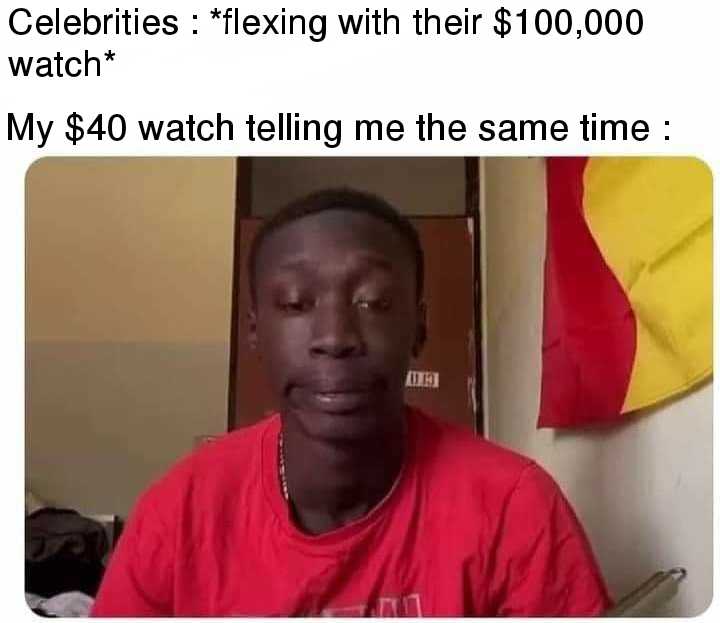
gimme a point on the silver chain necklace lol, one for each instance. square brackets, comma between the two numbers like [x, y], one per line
[281, 467]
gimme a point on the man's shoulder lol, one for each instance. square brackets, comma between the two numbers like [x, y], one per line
[238, 446]
[459, 454]
[217, 468]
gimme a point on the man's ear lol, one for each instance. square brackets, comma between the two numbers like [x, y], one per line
[252, 336]
[420, 330]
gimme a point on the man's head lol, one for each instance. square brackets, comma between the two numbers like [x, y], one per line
[336, 283]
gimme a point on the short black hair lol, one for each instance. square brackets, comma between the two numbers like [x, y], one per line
[340, 199]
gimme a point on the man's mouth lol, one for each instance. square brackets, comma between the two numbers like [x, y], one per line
[340, 402]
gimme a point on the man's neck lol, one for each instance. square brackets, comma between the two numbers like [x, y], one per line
[332, 484]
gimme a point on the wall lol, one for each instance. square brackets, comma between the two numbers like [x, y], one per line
[643, 490]
[417, 186]
[128, 316]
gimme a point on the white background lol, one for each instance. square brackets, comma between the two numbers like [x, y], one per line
[668, 73]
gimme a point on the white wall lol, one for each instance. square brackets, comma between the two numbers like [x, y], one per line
[643, 490]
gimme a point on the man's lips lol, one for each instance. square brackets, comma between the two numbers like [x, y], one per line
[339, 401]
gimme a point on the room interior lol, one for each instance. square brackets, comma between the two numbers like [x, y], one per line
[133, 343]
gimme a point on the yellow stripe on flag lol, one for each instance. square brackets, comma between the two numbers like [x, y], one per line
[652, 220]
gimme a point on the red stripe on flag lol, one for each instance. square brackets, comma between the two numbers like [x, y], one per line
[589, 335]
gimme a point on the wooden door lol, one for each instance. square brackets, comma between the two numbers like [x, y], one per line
[442, 380]
[448, 359]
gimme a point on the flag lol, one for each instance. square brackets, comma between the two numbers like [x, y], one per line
[628, 286]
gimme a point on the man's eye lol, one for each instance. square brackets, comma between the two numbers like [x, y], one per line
[373, 304]
[295, 307]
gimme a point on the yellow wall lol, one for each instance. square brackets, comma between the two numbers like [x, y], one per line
[643, 490]
[127, 249]
[129, 265]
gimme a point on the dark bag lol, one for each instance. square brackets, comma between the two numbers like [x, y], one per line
[63, 552]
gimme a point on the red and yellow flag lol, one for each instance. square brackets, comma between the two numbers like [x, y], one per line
[628, 285]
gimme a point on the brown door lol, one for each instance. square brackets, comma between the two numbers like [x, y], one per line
[442, 380]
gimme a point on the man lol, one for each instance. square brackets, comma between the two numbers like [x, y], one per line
[347, 502]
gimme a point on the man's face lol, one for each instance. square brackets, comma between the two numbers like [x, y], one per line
[336, 321]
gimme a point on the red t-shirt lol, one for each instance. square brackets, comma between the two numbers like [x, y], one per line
[470, 529]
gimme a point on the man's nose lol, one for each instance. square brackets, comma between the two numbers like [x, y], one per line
[335, 331]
